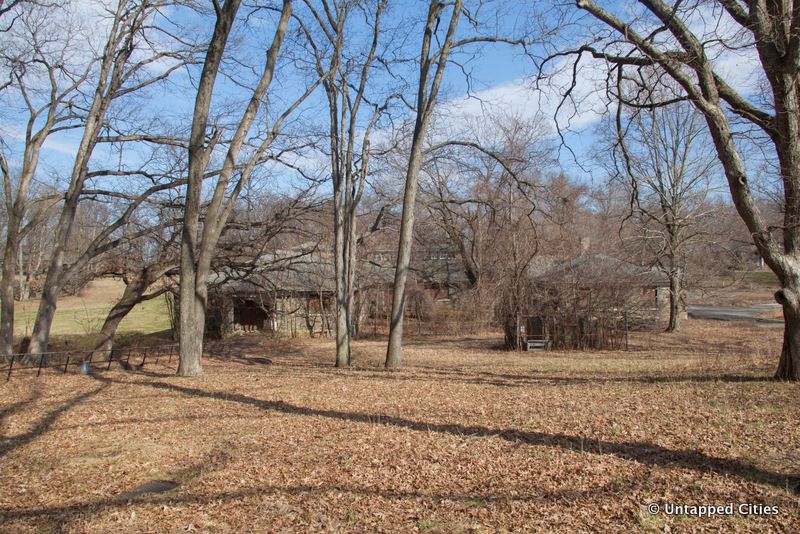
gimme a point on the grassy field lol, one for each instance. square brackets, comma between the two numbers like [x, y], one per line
[464, 438]
[79, 318]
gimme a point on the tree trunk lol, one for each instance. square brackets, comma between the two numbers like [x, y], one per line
[342, 326]
[7, 288]
[109, 80]
[426, 99]
[134, 293]
[352, 265]
[192, 324]
[191, 350]
[25, 275]
[677, 305]
[130, 297]
[394, 348]
[10, 254]
[789, 364]
[511, 333]
[194, 296]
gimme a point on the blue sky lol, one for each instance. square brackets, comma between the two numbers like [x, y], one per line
[500, 75]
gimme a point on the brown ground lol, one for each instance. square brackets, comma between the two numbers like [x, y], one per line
[465, 438]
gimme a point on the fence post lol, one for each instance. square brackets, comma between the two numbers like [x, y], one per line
[66, 364]
[10, 366]
[144, 357]
[41, 360]
[128, 359]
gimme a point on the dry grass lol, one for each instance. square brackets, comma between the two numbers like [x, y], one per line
[463, 439]
[78, 319]
[742, 289]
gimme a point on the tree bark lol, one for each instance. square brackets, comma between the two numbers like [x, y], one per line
[192, 326]
[789, 363]
[135, 288]
[677, 305]
[7, 286]
[426, 99]
[198, 251]
[394, 348]
[130, 297]
[340, 252]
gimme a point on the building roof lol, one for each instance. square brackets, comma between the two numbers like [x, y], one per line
[308, 273]
[596, 269]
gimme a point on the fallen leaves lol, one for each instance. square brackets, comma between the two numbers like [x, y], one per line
[463, 439]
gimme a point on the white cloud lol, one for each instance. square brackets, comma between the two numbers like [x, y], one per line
[521, 98]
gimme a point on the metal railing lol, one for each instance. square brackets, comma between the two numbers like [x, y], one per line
[62, 360]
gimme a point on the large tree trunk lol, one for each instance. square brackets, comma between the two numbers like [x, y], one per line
[7, 287]
[16, 215]
[196, 254]
[789, 364]
[191, 332]
[40, 337]
[677, 307]
[134, 293]
[191, 323]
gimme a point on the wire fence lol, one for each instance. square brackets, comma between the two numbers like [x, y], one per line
[85, 361]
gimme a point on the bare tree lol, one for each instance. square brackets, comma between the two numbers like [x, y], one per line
[40, 75]
[197, 247]
[437, 51]
[116, 73]
[431, 70]
[669, 173]
[350, 130]
[665, 37]
[464, 186]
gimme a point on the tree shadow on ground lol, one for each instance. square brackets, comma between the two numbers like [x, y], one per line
[11, 409]
[61, 514]
[532, 378]
[641, 452]
[61, 518]
[510, 379]
[645, 453]
[9, 443]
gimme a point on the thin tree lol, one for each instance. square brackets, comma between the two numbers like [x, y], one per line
[669, 172]
[349, 133]
[432, 66]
